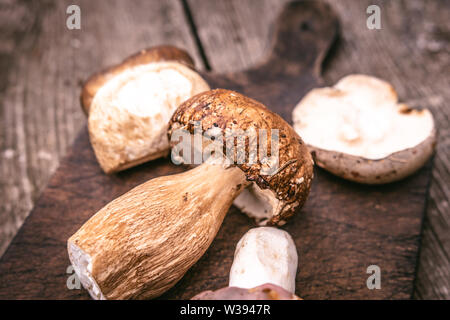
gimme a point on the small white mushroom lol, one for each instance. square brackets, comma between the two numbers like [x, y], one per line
[265, 255]
[359, 131]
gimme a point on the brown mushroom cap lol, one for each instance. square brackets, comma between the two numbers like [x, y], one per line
[145, 56]
[229, 110]
[266, 291]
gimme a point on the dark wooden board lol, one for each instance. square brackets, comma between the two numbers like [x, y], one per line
[343, 228]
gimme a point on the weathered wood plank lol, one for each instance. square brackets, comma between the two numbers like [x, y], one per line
[42, 64]
[235, 34]
[412, 51]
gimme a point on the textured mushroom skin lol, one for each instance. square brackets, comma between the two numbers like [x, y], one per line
[143, 242]
[120, 137]
[145, 56]
[266, 291]
[221, 108]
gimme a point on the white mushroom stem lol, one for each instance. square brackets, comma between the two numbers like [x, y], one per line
[264, 255]
[139, 245]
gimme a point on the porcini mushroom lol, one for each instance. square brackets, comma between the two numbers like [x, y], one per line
[264, 267]
[276, 194]
[358, 130]
[130, 104]
[140, 244]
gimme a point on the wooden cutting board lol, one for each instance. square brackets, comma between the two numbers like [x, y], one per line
[343, 228]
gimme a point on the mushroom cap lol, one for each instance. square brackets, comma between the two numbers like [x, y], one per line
[234, 113]
[264, 255]
[129, 114]
[359, 131]
[266, 291]
[145, 56]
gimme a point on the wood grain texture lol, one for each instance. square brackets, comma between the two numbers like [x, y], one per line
[412, 51]
[343, 228]
[42, 66]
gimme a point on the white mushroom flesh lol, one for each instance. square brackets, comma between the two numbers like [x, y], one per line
[360, 116]
[129, 115]
[265, 255]
[82, 265]
[258, 204]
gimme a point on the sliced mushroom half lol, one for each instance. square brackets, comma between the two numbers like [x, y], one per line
[359, 131]
[129, 105]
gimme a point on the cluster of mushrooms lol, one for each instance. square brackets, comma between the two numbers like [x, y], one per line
[140, 245]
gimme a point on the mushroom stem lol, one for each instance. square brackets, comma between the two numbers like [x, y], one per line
[142, 243]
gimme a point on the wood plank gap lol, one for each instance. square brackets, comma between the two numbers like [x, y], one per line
[193, 29]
